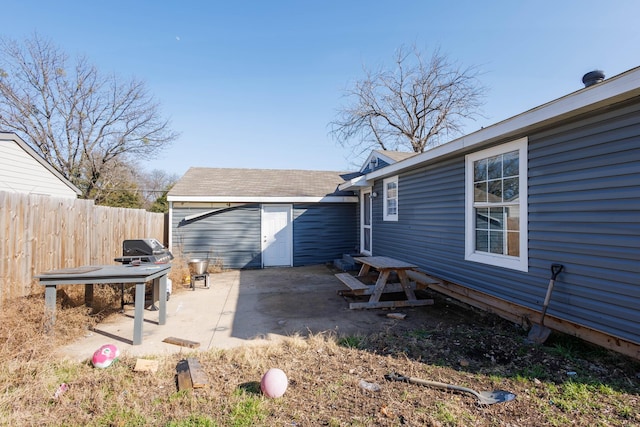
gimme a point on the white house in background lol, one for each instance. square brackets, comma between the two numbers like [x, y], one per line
[23, 170]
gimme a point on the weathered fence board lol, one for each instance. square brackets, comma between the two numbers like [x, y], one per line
[41, 233]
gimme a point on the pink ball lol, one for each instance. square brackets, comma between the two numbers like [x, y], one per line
[274, 383]
[105, 356]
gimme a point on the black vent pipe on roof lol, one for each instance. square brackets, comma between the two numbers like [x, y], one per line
[592, 78]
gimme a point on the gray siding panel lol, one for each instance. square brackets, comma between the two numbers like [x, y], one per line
[231, 236]
[323, 232]
[584, 212]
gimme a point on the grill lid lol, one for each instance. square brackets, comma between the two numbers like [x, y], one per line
[142, 247]
[145, 251]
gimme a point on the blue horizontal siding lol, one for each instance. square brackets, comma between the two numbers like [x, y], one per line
[231, 236]
[323, 232]
[584, 212]
[590, 218]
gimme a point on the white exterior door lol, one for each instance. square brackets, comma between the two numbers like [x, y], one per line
[277, 236]
[365, 221]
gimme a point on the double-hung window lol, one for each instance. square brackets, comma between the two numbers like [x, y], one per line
[496, 206]
[390, 204]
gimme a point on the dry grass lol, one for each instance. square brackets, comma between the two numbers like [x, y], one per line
[324, 375]
[179, 273]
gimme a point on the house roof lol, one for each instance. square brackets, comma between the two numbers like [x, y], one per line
[259, 185]
[12, 137]
[388, 157]
[395, 156]
[600, 96]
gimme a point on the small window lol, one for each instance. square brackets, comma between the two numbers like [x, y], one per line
[496, 206]
[390, 199]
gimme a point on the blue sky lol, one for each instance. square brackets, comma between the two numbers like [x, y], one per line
[255, 84]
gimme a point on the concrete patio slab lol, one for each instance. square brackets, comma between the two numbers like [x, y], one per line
[241, 307]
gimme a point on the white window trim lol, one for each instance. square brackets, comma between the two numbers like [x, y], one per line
[520, 263]
[385, 215]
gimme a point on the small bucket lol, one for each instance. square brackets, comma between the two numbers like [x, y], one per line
[198, 266]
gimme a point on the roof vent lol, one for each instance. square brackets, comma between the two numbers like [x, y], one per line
[592, 78]
[373, 163]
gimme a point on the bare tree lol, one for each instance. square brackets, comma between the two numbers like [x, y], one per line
[84, 123]
[156, 184]
[417, 105]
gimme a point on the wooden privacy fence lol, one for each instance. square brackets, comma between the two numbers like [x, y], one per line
[41, 233]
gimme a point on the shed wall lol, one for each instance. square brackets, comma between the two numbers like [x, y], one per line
[321, 233]
[229, 236]
[584, 212]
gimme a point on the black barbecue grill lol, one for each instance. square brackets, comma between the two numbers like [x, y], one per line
[144, 251]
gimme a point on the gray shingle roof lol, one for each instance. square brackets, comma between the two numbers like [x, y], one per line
[396, 155]
[227, 182]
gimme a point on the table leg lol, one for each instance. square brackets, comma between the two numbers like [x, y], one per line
[404, 281]
[88, 295]
[162, 316]
[49, 308]
[155, 289]
[138, 318]
[379, 286]
[364, 270]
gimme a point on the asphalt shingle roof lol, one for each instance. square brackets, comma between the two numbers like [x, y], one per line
[228, 182]
[396, 155]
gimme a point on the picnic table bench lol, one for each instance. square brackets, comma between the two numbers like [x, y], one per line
[358, 287]
[422, 279]
[353, 283]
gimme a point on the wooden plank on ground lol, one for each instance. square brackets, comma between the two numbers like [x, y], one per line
[198, 376]
[184, 377]
[391, 304]
[146, 365]
[181, 342]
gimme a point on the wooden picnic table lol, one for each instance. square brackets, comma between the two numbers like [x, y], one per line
[385, 266]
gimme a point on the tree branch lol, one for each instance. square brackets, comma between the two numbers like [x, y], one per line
[413, 107]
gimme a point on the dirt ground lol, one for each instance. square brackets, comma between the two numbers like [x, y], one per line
[334, 379]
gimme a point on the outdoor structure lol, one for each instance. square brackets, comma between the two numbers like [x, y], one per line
[252, 218]
[483, 216]
[23, 170]
[488, 214]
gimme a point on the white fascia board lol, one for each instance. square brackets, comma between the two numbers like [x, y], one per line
[244, 199]
[615, 89]
[357, 182]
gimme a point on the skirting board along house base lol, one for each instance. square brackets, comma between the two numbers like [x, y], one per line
[525, 316]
